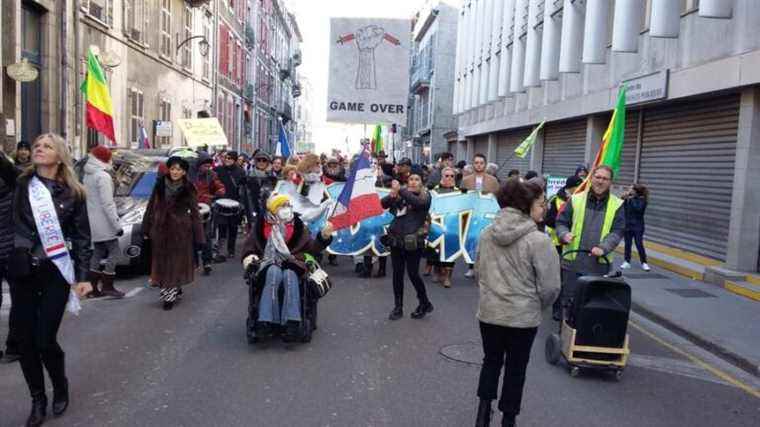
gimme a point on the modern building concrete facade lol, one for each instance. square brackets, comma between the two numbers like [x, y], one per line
[692, 69]
[431, 74]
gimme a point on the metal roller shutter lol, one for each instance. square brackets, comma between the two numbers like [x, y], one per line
[507, 142]
[687, 162]
[564, 147]
[481, 145]
[627, 171]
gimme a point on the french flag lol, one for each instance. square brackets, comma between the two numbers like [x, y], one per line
[358, 200]
[144, 142]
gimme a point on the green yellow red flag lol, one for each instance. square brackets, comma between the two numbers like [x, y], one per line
[377, 139]
[99, 107]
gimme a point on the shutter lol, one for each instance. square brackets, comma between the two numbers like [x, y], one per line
[481, 146]
[507, 142]
[627, 171]
[564, 147]
[222, 49]
[687, 162]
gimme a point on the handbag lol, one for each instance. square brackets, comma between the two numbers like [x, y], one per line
[317, 280]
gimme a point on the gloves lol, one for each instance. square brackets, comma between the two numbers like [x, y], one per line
[250, 259]
[120, 232]
[327, 231]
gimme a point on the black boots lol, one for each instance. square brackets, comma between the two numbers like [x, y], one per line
[508, 421]
[484, 414]
[94, 278]
[108, 288]
[422, 310]
[396, 313]
[382, 261]
[60, 397]
[39, 410]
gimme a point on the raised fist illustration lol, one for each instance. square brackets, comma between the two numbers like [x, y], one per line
[367, 39]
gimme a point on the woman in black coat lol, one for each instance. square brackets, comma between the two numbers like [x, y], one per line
[406, 237]
[635, 204]
[44, 272]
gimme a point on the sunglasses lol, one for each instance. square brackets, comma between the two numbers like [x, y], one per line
[262, 160]
[448, 176]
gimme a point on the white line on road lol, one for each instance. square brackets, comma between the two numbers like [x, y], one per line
[134, 292]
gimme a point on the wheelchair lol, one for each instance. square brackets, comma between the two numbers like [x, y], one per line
[312, 285]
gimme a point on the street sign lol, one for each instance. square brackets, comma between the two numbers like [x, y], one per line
[163, 128]
[646, 88]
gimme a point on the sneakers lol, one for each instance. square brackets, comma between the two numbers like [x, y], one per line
[645, 267]
[470, 273]
[625, 266]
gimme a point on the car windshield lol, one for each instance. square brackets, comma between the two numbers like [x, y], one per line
[144, 187]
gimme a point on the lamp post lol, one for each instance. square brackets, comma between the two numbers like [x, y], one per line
[203, 45]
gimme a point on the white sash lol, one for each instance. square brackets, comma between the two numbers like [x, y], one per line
[49, 229]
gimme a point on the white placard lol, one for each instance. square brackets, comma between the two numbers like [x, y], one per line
[163, 128]
[369, 70]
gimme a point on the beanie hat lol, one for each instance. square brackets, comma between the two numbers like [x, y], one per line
[573, 181]
[276, 202]
[102, 153]
[176, 160]
[23, 145]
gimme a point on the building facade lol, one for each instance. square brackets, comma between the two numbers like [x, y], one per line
[431, 74]
[693, 104]
[304, 141]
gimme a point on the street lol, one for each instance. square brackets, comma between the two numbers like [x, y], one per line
[131, 363]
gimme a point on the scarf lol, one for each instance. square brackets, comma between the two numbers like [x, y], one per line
[258, 173]
[172, 188]
[276, 250]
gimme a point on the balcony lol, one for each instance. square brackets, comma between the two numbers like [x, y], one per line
[296, 91]
[421, 78]
[197, 3]
[250, 36]
[286, 113]
[249, 91]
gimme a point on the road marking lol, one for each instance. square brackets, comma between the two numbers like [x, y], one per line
[697, 361]
[669, 365]
[134, 292]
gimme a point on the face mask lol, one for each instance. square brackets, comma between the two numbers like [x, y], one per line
[285, 214]
[313, 177]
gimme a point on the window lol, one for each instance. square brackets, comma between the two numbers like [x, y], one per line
[223, 50]
[187, 48]
[165, 115]
[102, 10]
[136, 116]
[166, 29]
[206, 70]
[187, 113]
[134, 11]
[230, 71]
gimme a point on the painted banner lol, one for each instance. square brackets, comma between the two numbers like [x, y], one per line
[458, 219]
[369, 70]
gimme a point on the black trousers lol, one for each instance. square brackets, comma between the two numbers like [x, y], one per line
[11, 343]
[40, 302]
[410, 260]
[509, 347]
[228, 230]
[638, 237]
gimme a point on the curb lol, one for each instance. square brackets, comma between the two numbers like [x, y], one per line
[720, 351]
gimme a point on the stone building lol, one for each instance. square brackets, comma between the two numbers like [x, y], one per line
[691, 68]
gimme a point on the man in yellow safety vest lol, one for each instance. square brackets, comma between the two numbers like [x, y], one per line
[593, 220]
[555, 205]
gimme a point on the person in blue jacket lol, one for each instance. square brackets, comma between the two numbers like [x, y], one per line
[635, 204]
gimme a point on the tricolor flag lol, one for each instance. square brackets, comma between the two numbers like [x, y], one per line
[144, 141]
[358, 200]
[612, 141]
[99, 109]
[283, 148]
[377, 139]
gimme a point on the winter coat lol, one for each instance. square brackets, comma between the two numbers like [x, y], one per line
[592, 231]
[174, 228]
[518, 271]
[300, 243]
[434, 178]
[635, 208]
[101, 209]
[410, 211]
[490, 183]
[258, 188]
[8, 176]
[233, 179]
[72, 215]
[208, 187]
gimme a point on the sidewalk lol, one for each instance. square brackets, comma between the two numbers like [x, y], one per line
[712, 317]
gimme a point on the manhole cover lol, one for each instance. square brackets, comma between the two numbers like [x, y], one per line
[643, 276]
[690, 293]
[470, 353]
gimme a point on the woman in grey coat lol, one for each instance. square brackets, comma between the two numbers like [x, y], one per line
[519, 277]
[104, 222]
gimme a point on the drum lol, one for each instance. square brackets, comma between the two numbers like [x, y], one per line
[227, 207]
[205, 211]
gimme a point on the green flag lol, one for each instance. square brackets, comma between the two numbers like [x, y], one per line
[615, 135]
[377, 139]
[526, 145]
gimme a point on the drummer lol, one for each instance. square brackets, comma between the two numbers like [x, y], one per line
[209, 187]
[233, 178]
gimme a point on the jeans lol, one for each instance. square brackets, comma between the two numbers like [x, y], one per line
[269, 305]
[11, 343]
[509, 347]
[41, 301]
[638, 237]
[400, 259]
[105, 251]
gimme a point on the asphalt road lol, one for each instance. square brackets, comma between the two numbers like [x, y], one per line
[132, 364]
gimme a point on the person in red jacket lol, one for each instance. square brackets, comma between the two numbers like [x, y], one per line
[208, 187]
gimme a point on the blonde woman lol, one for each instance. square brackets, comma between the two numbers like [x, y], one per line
[52, 254]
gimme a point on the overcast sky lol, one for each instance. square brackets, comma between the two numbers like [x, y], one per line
[313, 18]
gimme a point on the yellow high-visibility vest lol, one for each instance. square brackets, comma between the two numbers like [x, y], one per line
[579, 214]
[558, 203]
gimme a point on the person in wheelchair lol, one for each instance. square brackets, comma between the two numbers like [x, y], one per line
[276, 250]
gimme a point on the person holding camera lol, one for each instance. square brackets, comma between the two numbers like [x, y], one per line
[50, 259]
[635, 205]
[406, 238]
[104, 222]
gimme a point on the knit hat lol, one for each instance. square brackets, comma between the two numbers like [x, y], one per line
[276, 201]
[23, 145]
[176, 160]
[102, 153]
[573, 181]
